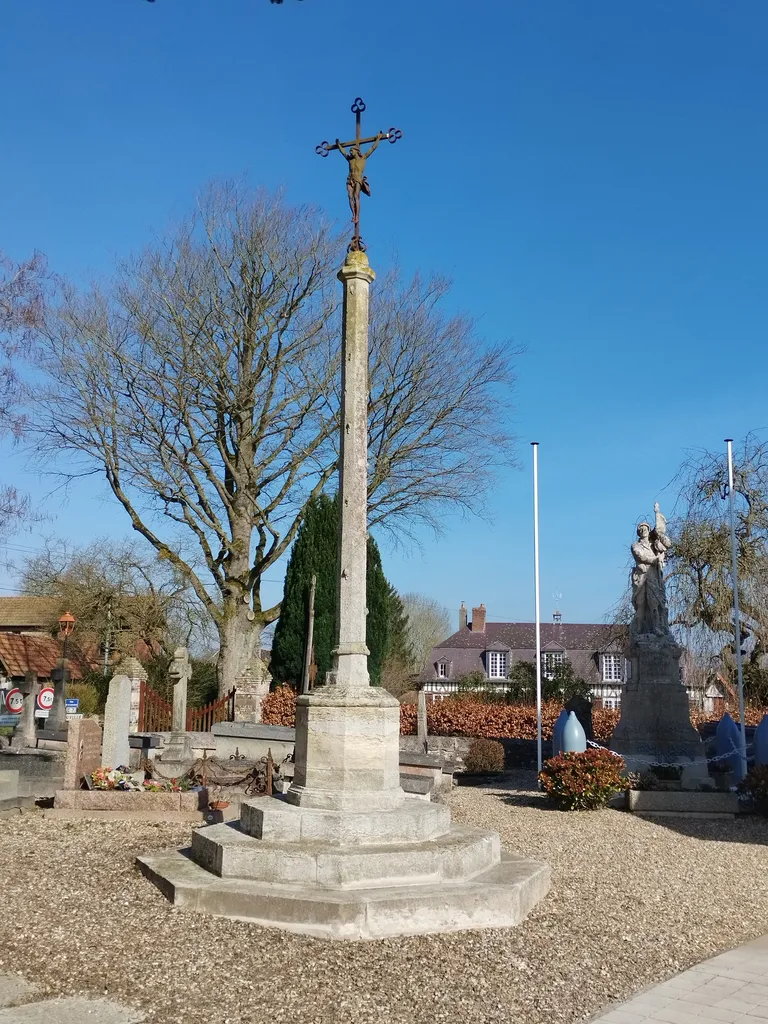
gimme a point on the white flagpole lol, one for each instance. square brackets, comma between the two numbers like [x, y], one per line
[535, 445]
[736, 614]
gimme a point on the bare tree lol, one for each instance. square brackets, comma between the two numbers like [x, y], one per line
[119, 595]
[202, 380]
[428, 624]
[700, 585]
[20, 314]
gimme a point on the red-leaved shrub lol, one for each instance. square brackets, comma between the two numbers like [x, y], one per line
[279, 707]
[583, 781]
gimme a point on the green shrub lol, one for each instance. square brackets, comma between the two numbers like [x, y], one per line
[484, 756]
[583, 781]
[89, 697]
[755, 788]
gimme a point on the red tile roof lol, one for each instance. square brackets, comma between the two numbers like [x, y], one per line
[34, 652]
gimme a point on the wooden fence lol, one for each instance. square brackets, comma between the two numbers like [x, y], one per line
[222, 710]
[156, 714]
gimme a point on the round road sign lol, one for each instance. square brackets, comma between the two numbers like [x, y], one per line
[45, 698]
[14, 701]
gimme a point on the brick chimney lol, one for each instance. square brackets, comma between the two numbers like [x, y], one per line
[478, 619]
[463, 616]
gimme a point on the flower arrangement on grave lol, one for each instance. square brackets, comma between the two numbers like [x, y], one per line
[135, 781]
[583, 781]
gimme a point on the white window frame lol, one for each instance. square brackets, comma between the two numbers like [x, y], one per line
[613, 668]
[550, 660]
[611, 703]
[498, 664]
[443, 670]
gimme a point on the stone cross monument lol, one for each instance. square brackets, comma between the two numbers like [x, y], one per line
[655, 723]
[346, 854]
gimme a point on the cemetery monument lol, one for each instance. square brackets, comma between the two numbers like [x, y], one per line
[346, 855]
[655, 723]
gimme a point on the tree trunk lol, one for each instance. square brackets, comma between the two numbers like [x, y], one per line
[239, 662]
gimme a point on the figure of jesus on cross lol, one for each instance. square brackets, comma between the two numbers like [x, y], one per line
[356, 157]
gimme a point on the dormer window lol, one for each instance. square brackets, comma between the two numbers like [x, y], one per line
[443, 669]
[613, 668]
[551, 661]
[497, 664]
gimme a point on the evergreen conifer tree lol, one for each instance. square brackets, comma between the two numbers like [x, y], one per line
[315, 551]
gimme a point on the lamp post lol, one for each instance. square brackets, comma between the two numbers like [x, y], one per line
[57, 720]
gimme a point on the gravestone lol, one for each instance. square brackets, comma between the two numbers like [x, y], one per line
[422, 722]
[136, 672]
[180, 671]
[27, 730]
[83, 751]
[117, 715]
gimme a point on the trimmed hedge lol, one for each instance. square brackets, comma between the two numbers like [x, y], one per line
[468, 715]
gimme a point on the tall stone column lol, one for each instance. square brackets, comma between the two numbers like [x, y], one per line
[347, 732]
[350, 657]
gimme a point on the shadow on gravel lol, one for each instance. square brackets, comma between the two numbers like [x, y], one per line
[750, 829]
[525, 799]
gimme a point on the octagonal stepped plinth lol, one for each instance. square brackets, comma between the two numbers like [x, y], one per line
[338, 875]
[458, 855]
[411, 821]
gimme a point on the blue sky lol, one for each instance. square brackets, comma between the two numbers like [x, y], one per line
[592, 175]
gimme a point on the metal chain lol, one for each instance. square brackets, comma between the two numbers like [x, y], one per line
[671, 764]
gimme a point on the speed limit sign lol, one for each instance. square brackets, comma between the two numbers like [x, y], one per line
[14, 701]
[45, 698]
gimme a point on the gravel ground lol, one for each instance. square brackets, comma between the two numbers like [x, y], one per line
[631, 903]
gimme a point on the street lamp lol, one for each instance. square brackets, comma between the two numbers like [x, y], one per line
[57, 720]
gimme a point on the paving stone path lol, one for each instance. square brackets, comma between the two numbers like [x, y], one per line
[728, 989]
[21, 1007]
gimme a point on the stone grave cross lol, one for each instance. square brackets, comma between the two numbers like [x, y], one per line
[180, 672]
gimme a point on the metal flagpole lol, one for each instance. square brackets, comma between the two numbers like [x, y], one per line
[736, 615]
[535, 445]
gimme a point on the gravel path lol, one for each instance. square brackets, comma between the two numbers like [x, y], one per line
[631, 903]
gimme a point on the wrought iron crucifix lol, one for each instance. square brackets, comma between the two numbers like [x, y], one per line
[356, 157]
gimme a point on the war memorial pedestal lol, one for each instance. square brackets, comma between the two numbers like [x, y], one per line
[347, 855]
[655, 725]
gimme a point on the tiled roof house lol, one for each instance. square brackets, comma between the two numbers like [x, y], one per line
[597, 652]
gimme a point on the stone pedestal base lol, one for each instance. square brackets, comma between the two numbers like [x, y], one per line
[341, 875]
[655, 724]
[347, 750]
